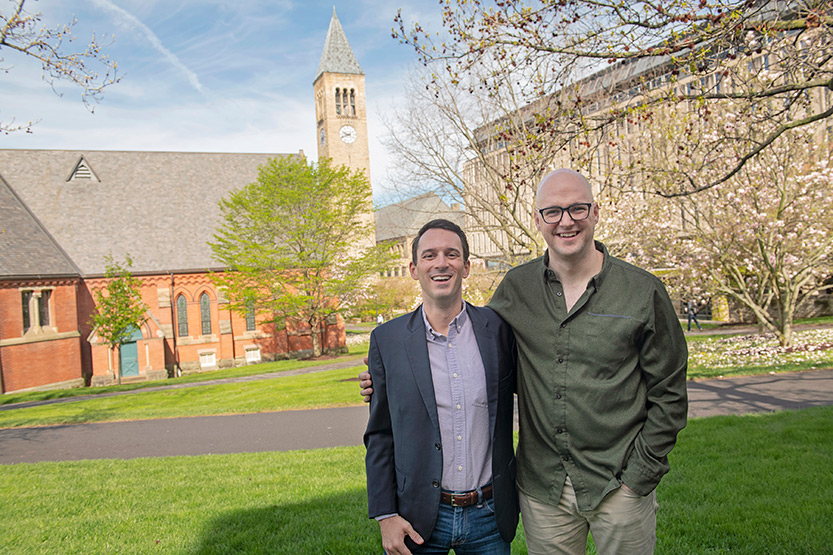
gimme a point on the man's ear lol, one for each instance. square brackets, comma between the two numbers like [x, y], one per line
[413, 269]
[466, 268]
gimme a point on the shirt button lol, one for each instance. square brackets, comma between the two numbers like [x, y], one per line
[565, 458]
[459, 438]
[560, 360]
[557, 396]
[460, 468]
[459, 407]
[558, 294]
[455, 374]
[559, 431]
[563, 324]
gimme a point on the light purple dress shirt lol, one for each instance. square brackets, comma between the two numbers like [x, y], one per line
[462, 404]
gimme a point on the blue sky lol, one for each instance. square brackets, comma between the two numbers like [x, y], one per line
[209, 75]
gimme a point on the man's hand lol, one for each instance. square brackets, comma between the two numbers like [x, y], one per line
[394, 531]
[365, 383]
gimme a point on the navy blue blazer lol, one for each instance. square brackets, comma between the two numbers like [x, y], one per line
[404, 450]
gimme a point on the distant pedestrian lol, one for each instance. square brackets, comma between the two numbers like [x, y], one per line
[379, 319]
[691, 309]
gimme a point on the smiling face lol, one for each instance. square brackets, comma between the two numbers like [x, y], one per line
[568, 240]
[440, 268]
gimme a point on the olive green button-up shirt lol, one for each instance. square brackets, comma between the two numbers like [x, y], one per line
[601, 388]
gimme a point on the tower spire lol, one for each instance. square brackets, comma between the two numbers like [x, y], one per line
[337, 57]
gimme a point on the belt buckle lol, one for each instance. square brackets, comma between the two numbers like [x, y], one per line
[454, 500]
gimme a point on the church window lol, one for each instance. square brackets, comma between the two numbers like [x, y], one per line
[353, 101]
[35, 304]
[338, 101]
[182, 315]
[205, 314]
[27, 303]
[250, 316]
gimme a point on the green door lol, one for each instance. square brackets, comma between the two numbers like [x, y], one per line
[129, 355]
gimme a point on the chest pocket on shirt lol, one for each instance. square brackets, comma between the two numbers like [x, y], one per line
[611, 340]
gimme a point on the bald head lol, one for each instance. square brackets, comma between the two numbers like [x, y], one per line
[564, 176]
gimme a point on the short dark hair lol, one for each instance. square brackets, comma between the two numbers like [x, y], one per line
[441, 224]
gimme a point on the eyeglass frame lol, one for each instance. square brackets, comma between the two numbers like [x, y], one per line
[564, 209]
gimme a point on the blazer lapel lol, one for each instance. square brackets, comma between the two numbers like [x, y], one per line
[417, 350]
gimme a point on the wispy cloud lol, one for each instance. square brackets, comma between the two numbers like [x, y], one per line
[129, 20]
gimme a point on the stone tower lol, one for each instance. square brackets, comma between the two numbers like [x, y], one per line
[340, 108]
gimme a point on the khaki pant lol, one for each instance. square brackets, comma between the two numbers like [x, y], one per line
[624, 523]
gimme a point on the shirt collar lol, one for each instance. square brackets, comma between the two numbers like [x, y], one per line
[457, 323]
[597, 279]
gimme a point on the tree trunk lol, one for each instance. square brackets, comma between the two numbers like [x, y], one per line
[315, 335]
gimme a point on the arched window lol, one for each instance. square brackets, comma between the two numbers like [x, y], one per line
[338, 101]
[250, 316]
[353, 101]
[205, 314]
[182, 315]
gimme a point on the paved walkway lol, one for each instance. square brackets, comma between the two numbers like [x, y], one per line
[311, 429]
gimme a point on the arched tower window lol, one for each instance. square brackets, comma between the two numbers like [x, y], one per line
[338, 101]
[353, 101]
[182, 315]
[205, 314]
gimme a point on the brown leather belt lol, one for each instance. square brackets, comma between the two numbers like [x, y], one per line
[466, 499]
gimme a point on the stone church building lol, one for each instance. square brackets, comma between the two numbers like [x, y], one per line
[63, 213]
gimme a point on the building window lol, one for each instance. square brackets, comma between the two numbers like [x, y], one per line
[353, 101]
[250, 316]
[35, 304]
[252, 355]
[208, 360]
[338, 101]
[205, 314]
[182, 315]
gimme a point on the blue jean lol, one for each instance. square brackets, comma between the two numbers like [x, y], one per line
[467, 530]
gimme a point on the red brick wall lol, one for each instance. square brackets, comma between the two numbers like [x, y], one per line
[39, 360]
[39, 364]
[26, 365]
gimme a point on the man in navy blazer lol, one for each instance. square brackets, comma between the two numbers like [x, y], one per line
[440, 457]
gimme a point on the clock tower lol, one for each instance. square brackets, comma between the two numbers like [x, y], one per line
[340, 108]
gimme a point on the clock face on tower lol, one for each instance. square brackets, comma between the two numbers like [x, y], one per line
[347, 134]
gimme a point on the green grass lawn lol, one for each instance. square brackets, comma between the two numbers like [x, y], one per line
[331, 388]
[355, 351]
[739, 484]
[709, 357]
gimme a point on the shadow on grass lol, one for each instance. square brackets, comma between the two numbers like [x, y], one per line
[336, 524]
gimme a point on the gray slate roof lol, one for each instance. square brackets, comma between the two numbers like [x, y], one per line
[161, 208]
[337, 57]
[26, 248]
[405, 218]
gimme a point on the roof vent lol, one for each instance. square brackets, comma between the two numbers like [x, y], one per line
[83, 171]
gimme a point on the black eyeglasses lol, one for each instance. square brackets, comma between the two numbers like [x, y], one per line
[578, 211]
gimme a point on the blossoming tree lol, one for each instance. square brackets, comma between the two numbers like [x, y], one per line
[762, 238]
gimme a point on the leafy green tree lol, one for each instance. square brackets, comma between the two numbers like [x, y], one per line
[298, 243]
[119, 305]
